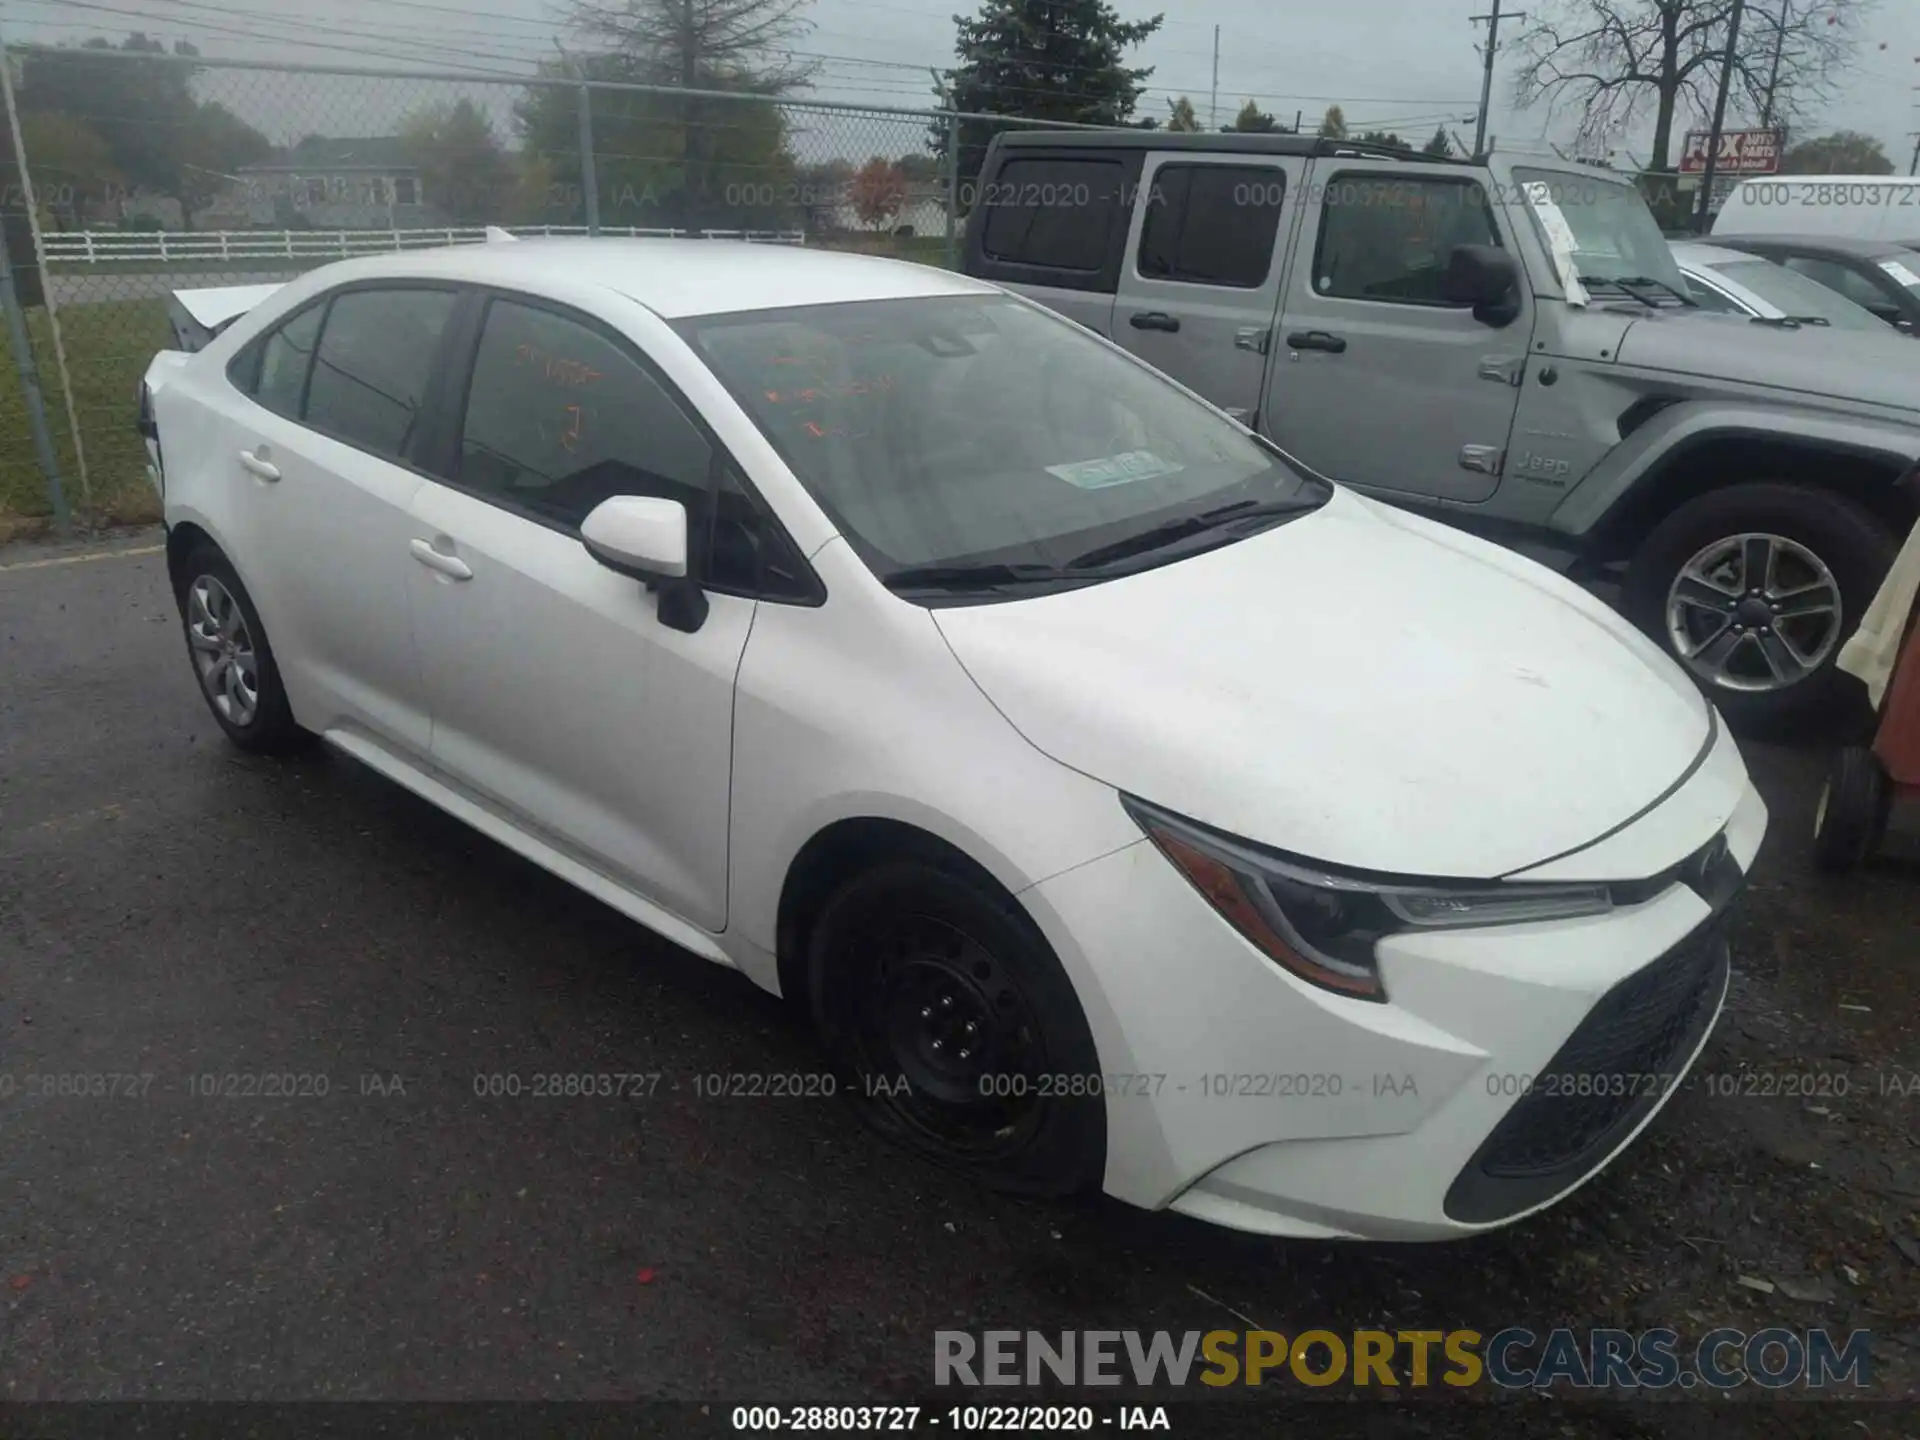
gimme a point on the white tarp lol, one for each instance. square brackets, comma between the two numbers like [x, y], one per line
[1875, 647]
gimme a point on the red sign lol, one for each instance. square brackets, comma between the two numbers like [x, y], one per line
[1742, 152]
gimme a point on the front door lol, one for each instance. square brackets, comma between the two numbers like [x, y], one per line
[557, 692]
[1201, 278]
[1377, 379]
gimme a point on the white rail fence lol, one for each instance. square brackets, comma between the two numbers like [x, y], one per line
[91, 247]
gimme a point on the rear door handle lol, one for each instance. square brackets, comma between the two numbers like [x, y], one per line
[1317, 340]
[1154, 320]
[451, 566]
[260, 465]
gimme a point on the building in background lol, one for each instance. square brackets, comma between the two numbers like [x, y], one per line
[356, 183]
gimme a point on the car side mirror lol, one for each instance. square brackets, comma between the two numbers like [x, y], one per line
[645, 536]
[1485, 277]
[1905, 327]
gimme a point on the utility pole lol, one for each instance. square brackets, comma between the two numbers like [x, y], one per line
[1720, 115]
[1213, 107]
[1914, 168]
[1492, 22]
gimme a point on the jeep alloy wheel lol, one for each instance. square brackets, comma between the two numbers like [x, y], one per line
[1754, 612]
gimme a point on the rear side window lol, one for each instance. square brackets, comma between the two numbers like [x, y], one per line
[1055, 213]
[374, 366]
[1212, 224]
[285, 357]
[559, 418]
[1389, 238]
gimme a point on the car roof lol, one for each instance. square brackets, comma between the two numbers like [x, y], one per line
[1244, 142]
[1702, 253]
[1832, 244]
[679, 278]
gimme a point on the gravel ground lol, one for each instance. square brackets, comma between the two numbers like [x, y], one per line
[171, 907]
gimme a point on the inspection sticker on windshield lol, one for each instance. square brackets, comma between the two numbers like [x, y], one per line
[1901, 274]
[1115, 470]
[1560, 238]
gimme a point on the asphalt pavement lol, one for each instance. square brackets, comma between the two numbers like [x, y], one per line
[176, 912]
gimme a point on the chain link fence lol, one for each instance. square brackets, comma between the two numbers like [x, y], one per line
[256, 173]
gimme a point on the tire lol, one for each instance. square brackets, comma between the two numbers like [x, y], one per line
[902, 960]
[228, 648]
[1817, 538]
[1852, 814]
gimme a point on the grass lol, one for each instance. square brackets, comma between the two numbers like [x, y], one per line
[108, 347]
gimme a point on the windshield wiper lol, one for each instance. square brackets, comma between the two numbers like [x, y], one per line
[1632, 285]
[1173, 531]
[974, 577]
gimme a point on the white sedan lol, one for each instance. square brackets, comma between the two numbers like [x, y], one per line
[1125, 807]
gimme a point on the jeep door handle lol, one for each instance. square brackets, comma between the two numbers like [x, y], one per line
[451, 566]
[1154, 320]
[1317, 340]
[259, 465]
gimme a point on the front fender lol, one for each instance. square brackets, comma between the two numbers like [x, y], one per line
[1640, 460]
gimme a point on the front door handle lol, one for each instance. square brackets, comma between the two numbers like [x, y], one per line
[1317, 340]
[1155, 320]
[259, 465]
[451, 566]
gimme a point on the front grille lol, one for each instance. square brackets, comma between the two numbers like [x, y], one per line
[1612, 1070]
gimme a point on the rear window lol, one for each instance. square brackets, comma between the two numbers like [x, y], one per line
[1054, 213]
[374, 364]
[1212, 224]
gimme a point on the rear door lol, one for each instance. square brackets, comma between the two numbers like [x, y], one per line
[1201, 279]
[1052, 224]
[1377, 379]
[320, 454]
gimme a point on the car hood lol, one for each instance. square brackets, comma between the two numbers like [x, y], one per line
[1813, 360]
[1358, 686]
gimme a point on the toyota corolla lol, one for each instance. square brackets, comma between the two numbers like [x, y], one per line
[1124, 806]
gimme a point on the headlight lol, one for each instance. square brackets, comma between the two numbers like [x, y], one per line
[1324, 926]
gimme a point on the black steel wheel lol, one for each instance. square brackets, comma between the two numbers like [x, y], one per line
[956, 1030]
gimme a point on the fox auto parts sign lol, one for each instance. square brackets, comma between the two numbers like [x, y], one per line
[1742, 152]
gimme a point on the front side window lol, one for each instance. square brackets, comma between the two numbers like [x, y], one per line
[962, 433]
[285, 357]
[1389, 238]
[1212, 224]
[559, 418]
[374, 365]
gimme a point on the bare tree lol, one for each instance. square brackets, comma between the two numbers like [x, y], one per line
[704, 44]
[1612, 60]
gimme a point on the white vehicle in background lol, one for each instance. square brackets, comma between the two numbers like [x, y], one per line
[1853, 207]
[1124, 806]
[1740, 283]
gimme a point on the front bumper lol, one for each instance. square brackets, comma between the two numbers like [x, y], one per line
[1239, 1094]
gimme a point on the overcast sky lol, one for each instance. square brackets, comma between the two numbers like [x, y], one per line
[1405, 65]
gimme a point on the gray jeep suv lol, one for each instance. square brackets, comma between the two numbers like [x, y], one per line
[1507, 344]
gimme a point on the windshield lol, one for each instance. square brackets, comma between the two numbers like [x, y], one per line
[958, 433]
[1794, 294]
[1615, 236]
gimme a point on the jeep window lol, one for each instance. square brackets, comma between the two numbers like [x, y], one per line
[1052, 212]
[1615, 235]
[1388, 238]
[1212, 224]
